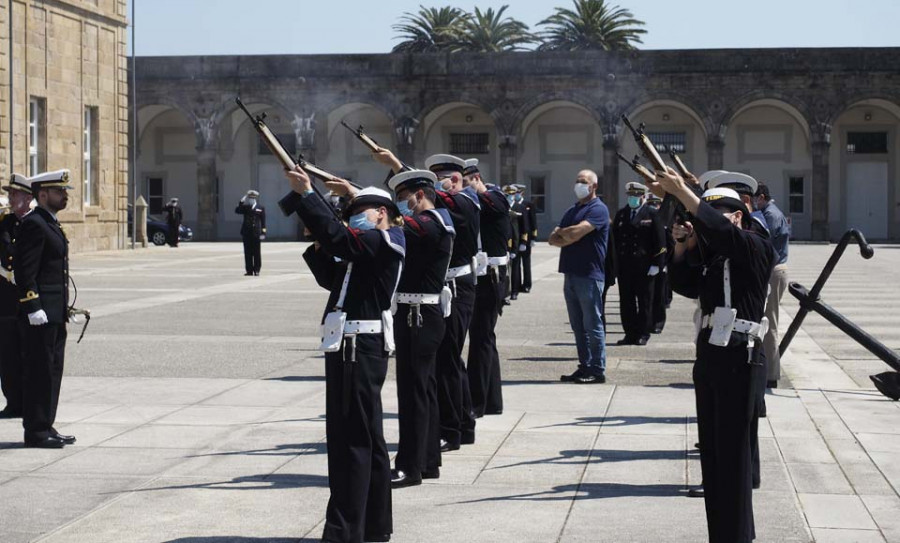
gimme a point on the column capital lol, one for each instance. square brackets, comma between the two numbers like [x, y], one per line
[405, 130]
[207, 132]
[305, 131]
[820, 134]
[507, 141]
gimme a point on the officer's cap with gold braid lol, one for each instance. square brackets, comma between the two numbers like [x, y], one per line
[510, 189]
[635, 188]
[52, 180]
[18, 182]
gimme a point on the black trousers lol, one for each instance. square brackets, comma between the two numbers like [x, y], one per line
[419, 448]
[515, 265]
[172, 234]
[252, 255]
[661, 297]
[45, 348]
[454, 400]
[12, 336]
[525, 257]
[636, 301]
[484, 360]
[727, 391]
[359, 469]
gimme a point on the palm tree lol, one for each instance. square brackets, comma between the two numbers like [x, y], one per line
[432, 29]
[489, 32]
[594, 24]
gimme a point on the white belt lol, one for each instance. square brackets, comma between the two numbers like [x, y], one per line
[740, 325]
[425, 299]
[459, 271]
[363, 327]
[498, 260]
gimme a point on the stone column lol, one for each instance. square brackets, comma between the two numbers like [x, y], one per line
[821, 147]
[405, 131]
[509, 156]
[207, 143]
[609, 184]
[715, 152]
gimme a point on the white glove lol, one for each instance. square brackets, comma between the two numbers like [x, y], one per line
[8, 275]
[512, 256]
[262, 237]
[532, 244]
[37, 318]
[73, 319]
[522, 247]
[653, 271]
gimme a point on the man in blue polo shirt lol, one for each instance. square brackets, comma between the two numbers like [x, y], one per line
[582, 236]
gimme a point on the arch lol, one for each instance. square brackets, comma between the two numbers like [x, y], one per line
[435, 114]
[789, 105]
[888, 105]
[340, 112]
[535, 112]
[525, 114]
[638, 107]
[148, 113]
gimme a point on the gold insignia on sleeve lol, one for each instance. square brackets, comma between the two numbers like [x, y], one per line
[30, 295]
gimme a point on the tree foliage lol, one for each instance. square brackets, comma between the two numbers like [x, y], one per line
[592, 25]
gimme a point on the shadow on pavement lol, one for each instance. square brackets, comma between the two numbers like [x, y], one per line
[238, 539]
[298, 378]
[294, 449]
[591, 491]
[253, 482]
[599, 456]
[613, 421]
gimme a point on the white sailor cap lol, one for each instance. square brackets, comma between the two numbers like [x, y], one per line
[706, 176]
[471, 166]
[635, 187]
[58, 179]
[510, 189]
[445, 163]
[729, 198]
[18, 182]
[740, 182]
[371, 196]
[253, 193]
[520, 188]
[412, 179]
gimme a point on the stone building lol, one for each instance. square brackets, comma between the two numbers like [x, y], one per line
[69, 99]
[819, 126]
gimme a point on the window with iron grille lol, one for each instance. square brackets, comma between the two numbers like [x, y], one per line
[288, 140]
[37, 128]
[154, 195]
[90, 164]
[867, 143]
[470, 144]
[539, 192]
[669, 141]
[796, 193]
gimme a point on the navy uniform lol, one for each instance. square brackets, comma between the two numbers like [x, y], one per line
[484, 359]
[42, 276]
[173, 221]
[360, 268]
[640, 244]
[529, 212]
[253, 230]
[729, 273]
[662, 288]
[454, 399]
[423, 301]
[12, 329]
[518, 238]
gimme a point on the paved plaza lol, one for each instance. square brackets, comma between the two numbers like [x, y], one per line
[197, 397]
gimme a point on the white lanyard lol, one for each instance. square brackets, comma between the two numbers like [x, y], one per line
[340, 301]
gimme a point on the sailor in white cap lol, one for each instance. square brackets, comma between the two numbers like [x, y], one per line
[42, 276]
[640, 245]
[173, 221]
[727, 265]
[11, 333]
[423, 302]
[357, 336]
[746, 187]
[253, 230]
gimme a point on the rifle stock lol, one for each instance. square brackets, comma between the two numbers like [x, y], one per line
[638, 168]
[647, 148]
[363, 137]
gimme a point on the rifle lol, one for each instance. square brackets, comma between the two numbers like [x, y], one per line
[277, 149]
[646, 146]
[369, 142]
[638, 168]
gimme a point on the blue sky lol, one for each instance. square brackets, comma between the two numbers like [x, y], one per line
[195, 27]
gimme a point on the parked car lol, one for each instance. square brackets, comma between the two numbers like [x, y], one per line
[157, 230]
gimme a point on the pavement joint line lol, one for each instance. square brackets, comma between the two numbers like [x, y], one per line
[500, 446]
[861, 446]
[587, 463]
[169, 263]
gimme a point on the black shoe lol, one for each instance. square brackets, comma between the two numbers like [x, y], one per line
[642, 340]
[380, 538]
[772, 384]
[446, 446]
[526, 290]
[514, 296]
[248, 274]
[657, 330]
[626, 341]
[589, 379]
[256, 273]
[401, 479]
[432, 473]
[68, 440]
[8, 413]
[494, 412]
[697, 445]
[49, 442]
[696, 492]
[571, 378]
[467, 438]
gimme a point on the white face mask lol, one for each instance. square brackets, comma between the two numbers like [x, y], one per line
[582, 190]
[251, 202]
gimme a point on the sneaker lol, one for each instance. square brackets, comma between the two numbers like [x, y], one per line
[571, 378]
[589, 379]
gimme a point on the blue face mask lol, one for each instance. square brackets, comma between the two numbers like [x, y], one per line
[361, 222]
[634, 202]
[404, 208]
[511, 199]
[519, 198]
